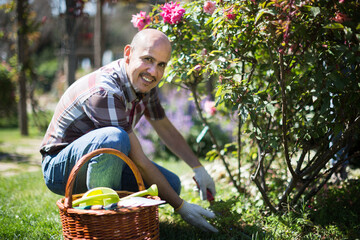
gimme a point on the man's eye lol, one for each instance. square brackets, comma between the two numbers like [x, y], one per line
[148, 59]
[162, 65]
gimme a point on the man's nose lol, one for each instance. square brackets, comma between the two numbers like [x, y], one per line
[152, 70]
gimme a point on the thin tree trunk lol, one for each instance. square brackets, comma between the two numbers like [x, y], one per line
[22, 48]
[70, 39]
[98, 34]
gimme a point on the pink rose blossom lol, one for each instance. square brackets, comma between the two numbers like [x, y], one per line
[341, 1]
[341, 17]
[230, 14]
[221, 79]
[204, 52]
[197, 68]
[43, 19]
[209, 7]
[172, 12]
[209, 107]
[140, 20]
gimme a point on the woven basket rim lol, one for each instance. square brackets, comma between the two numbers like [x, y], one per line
[124, 210]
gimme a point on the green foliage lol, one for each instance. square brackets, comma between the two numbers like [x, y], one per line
[41, 120]
[289, 69]
[229, 221]
[340, 205]
[46, 69]
[205, 145]
[8, 107]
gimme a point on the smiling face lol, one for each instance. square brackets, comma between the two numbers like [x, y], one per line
[146, 59]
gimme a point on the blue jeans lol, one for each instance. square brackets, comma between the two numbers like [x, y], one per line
[103, 170]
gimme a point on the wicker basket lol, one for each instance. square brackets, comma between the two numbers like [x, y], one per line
[124, 223]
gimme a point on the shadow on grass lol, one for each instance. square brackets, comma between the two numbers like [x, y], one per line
[228, 222]
[170, 231]
[13, 157]
[339, 205]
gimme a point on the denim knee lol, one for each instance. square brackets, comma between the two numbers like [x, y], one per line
[56, 168]
[53, 176]
[105, 171]
[115, 138]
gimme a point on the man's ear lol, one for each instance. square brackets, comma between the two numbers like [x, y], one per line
[127, 53]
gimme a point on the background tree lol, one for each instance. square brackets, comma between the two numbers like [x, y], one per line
[98, 34]
[22, 12]
[73, 10]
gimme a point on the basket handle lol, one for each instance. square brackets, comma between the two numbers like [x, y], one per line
[87, 157]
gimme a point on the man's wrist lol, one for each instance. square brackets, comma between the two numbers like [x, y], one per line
[179, 207]
[196, 167]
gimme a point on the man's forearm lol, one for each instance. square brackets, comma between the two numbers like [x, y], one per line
[151, 174]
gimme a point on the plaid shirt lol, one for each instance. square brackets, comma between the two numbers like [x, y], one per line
[99, 99]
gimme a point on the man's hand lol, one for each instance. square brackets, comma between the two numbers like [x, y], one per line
[204, 181]
[193, 214]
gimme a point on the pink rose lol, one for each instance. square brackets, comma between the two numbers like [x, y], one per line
[221, 79]
[230, 14]
[209, 107]
[172, 12]
[140, 20]
[341, 17]
[43, 19]
[204, 52]
[209, 7]
[197, 68]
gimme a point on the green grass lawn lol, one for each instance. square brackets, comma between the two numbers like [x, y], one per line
[28, 209]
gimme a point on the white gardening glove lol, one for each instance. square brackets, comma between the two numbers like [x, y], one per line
[193, 214]
[204, 181]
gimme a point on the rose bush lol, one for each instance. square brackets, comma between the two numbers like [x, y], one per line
[288, 69]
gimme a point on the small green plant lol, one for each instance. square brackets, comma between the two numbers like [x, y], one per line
[8, 107]
[339, 205]
[229, 221]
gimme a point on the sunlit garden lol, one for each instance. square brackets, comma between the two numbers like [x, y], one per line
[266, 94]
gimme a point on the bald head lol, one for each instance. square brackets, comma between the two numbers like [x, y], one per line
[150, 37]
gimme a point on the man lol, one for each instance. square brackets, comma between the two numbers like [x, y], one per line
[101, 109]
